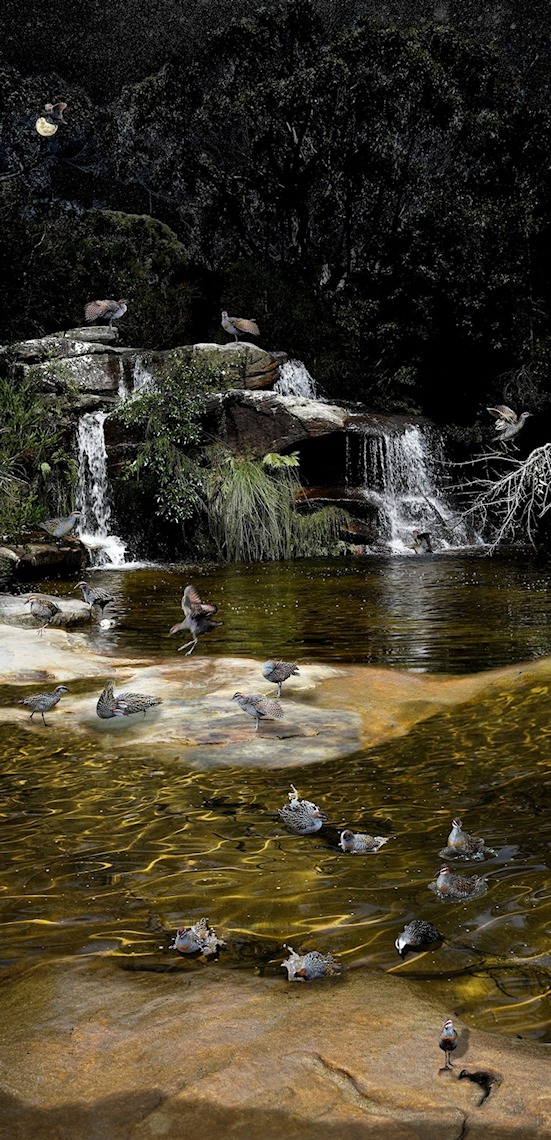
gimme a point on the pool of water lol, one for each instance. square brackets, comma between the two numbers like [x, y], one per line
[103, 852]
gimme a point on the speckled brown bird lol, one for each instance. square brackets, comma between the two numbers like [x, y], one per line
[236, 325]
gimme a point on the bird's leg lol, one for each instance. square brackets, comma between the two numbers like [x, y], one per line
[41, 630]
[192, 648]
[256, 723]
[44, 722]
[194, 643]
[279, 684]
[32, 714]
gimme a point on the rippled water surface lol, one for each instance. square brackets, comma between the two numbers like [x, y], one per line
[105, 853]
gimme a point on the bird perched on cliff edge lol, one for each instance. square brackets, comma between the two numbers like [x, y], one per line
[43, 609]
[42, 702]
[60, 527]
[94, 595]
[198, 619]
[507, 424]
[236, 325]
[125, 704]
[279, 671]
[105, 310]
[448, 1040]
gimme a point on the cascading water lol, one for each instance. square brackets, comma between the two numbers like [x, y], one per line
[295, 380]
[399, 472]
[93, 493]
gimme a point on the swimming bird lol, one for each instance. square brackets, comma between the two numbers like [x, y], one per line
[417, 935]
[448, 1040]
[43, 702]
[260, 708]
[43, 609]
[60, 527]
[507, 424]
[306, 967]
[94, 595]
[450, 886]
[301, 816]
[462, 845]
[198, 619]
[125, 704]
[236, 325]
[113, 310]
[279, 671]
[358, 843]
[188, 940]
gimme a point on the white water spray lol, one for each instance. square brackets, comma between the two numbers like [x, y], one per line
[400, 474]
[93, 493]
[295, 380]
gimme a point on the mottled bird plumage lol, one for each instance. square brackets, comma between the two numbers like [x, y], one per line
[417, 935]
[198, 618]
[43, 609]
[448, 885]
[258, 707]
[462, 845]
[60, 527]
[448, 1040]
[359, 843]
[42, 702]
[507, 424]
[199, 937]
[124, 704]
[301, 816]
[105, 310]
[94, 595]
[306, 967]
[279, 671]
[236, 325]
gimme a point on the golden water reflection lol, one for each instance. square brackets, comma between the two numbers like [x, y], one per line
[104, 853]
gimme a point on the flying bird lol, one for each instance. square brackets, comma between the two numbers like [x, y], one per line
[55, 111]
[111, 310]
[42, 702]
[236, 325]
[507, 424]
[198, 619]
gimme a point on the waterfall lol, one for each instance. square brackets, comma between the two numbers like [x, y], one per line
[141, 380]
[295, 380]
[400, 474]
[93, 493]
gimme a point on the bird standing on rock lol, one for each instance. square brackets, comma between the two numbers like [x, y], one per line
[94, 595]
[125, 704]
[60, 528]
[448, 1040]
[236, 325]
[261, 708]
[301, 816]
[507, 424]
[43, 609]
[105, 310]
[417, 935]
[198, 619]
[279, 671]
[42, 702]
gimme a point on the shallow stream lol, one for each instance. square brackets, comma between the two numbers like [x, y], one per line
[101, 852]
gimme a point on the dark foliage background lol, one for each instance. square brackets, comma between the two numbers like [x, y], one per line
[369, 181]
